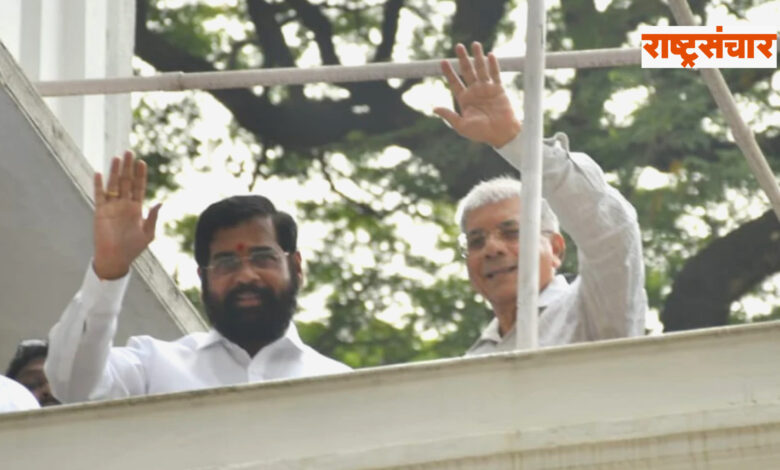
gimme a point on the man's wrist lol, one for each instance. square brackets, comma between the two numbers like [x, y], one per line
[109, 273]
[514, 128]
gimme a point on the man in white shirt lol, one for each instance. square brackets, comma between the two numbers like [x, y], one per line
[607, 300]
[14, 397]
[250, 270]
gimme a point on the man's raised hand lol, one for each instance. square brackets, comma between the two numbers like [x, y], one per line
[121, 232]
[486, 114]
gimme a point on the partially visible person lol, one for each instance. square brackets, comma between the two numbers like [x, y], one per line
[26, 367]
[607, 299]
[14, 397]
[250, 270]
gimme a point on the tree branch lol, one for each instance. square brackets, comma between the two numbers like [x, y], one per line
[312, 17]
[725, 270]
[408, 84]
[460, 163]
[361, 207]
[477, 21]
[257, 172]
[293, 123]
[269, 35]
[390, 14]
[235, 50]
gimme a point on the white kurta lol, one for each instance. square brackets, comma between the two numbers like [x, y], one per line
[82, 364]
[607, 299]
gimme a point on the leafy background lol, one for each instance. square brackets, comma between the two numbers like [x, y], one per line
[377, 175]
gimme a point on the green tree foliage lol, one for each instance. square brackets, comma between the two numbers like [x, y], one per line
[392, 298]
[162, 139]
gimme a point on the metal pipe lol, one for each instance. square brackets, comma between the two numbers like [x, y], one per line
[179, 81]
[526, 324]
[743, 136]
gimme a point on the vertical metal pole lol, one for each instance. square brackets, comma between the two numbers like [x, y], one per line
[531, 168]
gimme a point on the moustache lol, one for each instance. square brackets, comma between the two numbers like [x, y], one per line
[265, 294]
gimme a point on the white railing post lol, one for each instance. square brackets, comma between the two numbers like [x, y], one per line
[526, 324]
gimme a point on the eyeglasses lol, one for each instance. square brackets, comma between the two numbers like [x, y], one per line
[475, 241]
[261, 259]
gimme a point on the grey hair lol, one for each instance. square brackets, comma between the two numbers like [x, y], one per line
[499, 189]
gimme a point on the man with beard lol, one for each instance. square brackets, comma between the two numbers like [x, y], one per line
[250, 270]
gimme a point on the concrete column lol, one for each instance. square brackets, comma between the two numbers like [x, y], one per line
[120, 42]
[72, 39]
[11, 26]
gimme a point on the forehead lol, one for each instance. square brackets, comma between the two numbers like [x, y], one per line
[258, 231]
[34, 365]
[491, 215]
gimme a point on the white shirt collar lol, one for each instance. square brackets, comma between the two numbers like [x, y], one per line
[491, 332]
[552, 291]
[213, 336]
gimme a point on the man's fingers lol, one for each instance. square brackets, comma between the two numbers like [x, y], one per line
[494, 68]
[480, 64]
[151, 221]
[466, 68]
[139, 182]
[112, 188]
[456, 85]
[126, 176]
[97, 182]
[452, 118]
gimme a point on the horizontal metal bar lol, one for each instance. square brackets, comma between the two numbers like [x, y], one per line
[179, 81]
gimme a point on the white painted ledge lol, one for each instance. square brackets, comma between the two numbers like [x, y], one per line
[705, 399]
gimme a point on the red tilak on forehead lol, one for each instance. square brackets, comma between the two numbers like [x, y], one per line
[240, 247]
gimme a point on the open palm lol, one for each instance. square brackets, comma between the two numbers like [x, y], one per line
[121, 232]
[486, 114]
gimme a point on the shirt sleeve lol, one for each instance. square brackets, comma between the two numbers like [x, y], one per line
[81, 364]
[609, 297]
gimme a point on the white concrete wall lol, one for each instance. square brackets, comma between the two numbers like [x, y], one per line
[708, 399]
[72, 39]
[45, 237]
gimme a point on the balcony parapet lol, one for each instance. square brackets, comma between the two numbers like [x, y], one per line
[675, 401]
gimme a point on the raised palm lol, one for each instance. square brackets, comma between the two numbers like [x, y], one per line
[486, 114]
[121, 232]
